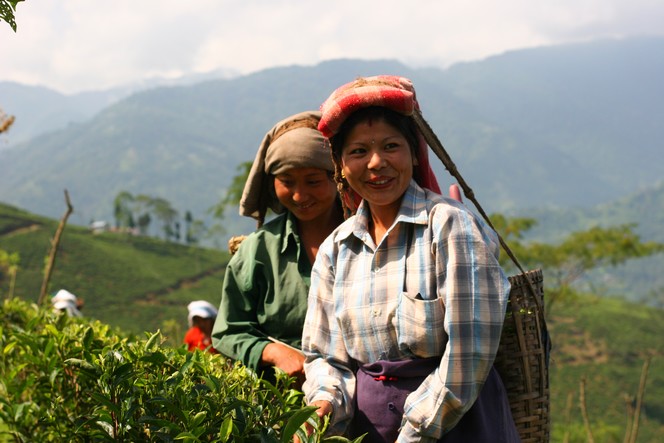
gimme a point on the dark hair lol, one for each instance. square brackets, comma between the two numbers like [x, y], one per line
[402, 123]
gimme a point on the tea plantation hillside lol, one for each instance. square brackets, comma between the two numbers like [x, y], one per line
[140, 284]
[132, 282]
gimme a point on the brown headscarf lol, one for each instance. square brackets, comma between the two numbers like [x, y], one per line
[292, 143]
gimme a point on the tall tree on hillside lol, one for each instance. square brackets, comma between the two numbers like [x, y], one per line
[193, 229]
[234, 191]
[231, 198]
[163, 210]
[142, 208]
[122, 210]
[144, 223]
[188, 219]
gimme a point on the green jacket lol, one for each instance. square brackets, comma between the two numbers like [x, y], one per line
[264, 293]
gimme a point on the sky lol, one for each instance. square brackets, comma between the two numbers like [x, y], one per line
[79, 45]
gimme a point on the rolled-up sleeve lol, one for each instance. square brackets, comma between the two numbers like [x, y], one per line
[329, 369]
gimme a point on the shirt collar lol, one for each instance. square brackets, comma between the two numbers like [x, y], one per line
[290, 233]
[413, 210]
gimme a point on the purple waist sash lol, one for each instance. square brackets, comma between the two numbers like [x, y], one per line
[382, 388]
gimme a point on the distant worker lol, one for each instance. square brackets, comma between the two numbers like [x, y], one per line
[66, 302]
[202, 315]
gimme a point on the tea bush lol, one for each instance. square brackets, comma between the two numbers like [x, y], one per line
[72, 379]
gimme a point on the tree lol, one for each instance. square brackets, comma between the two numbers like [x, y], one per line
[142, 207]
[7, 10]
[234, 192]
[122, 210]
[163, 210]
[193, 229]
[231, 198]
[566, 263]
[144, 223]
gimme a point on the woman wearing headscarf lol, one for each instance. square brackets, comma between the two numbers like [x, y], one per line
[265, 287]
[407, 298]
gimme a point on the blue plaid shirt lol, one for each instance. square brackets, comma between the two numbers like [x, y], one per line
[431, 287]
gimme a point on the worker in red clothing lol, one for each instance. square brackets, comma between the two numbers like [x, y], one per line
[202, 315]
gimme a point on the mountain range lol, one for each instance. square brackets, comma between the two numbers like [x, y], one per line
[572, 128]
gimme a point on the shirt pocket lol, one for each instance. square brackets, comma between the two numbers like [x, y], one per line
[420, 325]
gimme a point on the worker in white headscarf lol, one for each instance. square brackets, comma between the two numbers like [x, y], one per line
[202, 315]
[66, 302]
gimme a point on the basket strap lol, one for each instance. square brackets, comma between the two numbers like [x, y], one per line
[437, 147]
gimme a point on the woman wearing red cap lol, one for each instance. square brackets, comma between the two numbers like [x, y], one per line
[407, 298]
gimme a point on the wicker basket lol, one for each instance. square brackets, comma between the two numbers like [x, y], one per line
[522, 359]
[523, 354]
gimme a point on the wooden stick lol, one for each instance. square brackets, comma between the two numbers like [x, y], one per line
[55, 242]
[584, 410]
[639, 401]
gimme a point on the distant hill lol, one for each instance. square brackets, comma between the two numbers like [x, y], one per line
[565, 126]
[39, 110]
[600, 103]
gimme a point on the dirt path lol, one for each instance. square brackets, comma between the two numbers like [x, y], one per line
[21, 230]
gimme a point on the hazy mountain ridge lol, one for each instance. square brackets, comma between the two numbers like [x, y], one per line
[495, 118]
[605, 95]
[39, 110]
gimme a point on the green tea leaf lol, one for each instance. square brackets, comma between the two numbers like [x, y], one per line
[297, 420]
[226, 429]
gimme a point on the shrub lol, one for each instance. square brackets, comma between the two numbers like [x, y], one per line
[66, 379]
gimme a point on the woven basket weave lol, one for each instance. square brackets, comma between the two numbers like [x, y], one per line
[522, 359]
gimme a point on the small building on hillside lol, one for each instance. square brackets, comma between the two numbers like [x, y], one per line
[99, 226]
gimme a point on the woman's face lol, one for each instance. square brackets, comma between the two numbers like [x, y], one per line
[309, 193]
[378, 164]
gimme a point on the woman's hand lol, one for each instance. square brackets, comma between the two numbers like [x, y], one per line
[288, 359]
[455, 192]
[324, 408]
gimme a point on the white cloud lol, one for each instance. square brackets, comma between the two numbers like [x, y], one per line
[75, 45]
